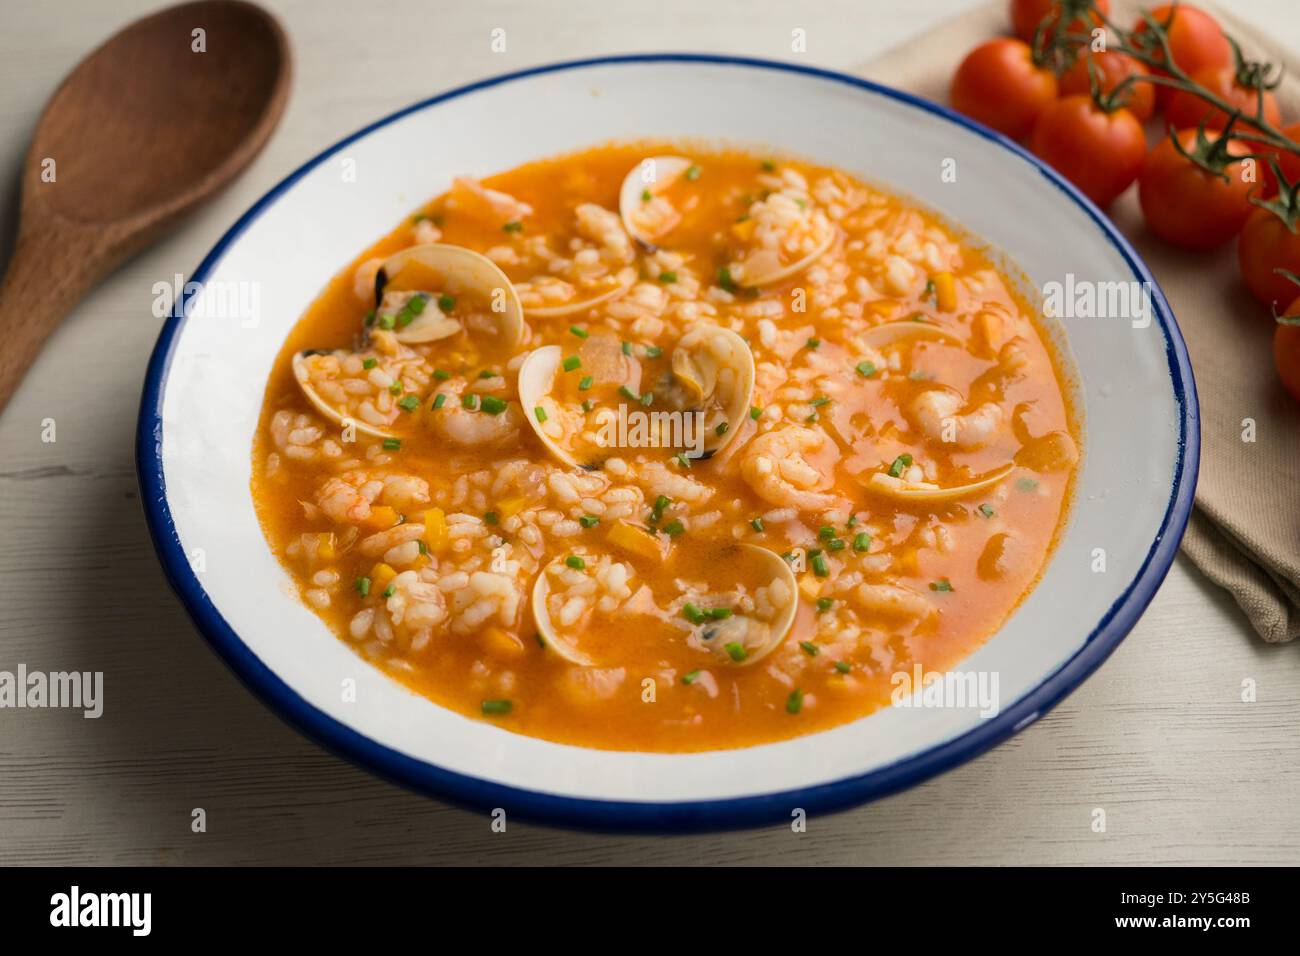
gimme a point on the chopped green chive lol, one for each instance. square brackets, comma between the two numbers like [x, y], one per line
[690, 677]
[588, 405]
[986, 511]
[491, 517]
[409, 402]
[585, 383]
[861, 541]
[809, 648]
[794, 703]
[571, 363]
[646, 195]
[865, 369]
[825, 532]
[627, 348]
[370, 318]
[902, 461]
[824, 605]
[580, 333]
[674, 528]
[493, 405]
[682, 460]
[768, 166]
[424, 548]
[395, 388]
[575, 562]
[720, 613]
[721, 429]
[387, 321]
[736, 651]
[392, 444]
[755, 413]
[819, 401]
[439, 400]
[693, 613]
[627, 393]
[725, 280]
[540, 414]
[653, 351]
[813, 343]
[589, 521]
[469, 401]
[446, 302]
[819, 567]
[362, 585]
[497, 708]
[648, 399]
[757, 525]
[370, 363]
[416, 304]
[943, 584]
[843, 667]
[389, 591]
[1027, 484]
[835, 544]
[692, 173]
[441, 374]
[668, 277]
[487, 373]
[513, 226]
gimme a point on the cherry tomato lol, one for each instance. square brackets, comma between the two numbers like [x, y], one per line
[1026, 15]
[1286, 350]
[1268, 243]
[1196, 41]
[1112, 69]
[1186, 109]
[1099, 152]
[1000, 85]
[1187, 205]
[1290, 162]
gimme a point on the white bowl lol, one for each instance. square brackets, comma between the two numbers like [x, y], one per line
[206, 379]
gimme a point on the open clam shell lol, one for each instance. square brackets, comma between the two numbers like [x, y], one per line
[550, 635]
[888, 333]
[715, 368]
[536, 376]
[303, 374]
[437, 269]
[647, 216]
[744, 640]
[925, 493]
[624, 280]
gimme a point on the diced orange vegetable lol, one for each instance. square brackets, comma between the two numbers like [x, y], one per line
[502, 642]
[945, 292]
[810, 586]
[325, 549]
[382, 517]
[435, 530]
[743, 230]
[381, 575]
[631, 538]
[509, 507]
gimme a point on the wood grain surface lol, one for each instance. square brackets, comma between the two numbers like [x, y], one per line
[1159, 738]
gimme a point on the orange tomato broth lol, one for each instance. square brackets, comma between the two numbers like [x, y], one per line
[993, 562]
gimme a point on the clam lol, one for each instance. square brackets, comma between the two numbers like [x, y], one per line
[456, 272]
[623, 281]
[302, 372]
[646, 216]
[743, 640]
[927, 493]
[715, 370]
[738, 639]
[888, 333]
[536, 376]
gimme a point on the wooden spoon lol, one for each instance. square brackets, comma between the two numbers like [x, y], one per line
[155, 121]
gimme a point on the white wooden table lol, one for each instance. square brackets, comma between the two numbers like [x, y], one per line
[1159, 737]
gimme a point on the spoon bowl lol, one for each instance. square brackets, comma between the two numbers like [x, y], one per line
[156, 120]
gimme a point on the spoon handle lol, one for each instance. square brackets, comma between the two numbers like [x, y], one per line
[52, 267]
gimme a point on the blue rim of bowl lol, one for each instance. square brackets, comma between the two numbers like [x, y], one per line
[694, 815]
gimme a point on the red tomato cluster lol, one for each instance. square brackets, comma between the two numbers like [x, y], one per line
[1195, 189]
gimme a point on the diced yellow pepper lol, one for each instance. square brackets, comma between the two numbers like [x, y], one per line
[810, 586]
[632, 538]
[435, 530]
[945, 292]
[382, 517]
[325, 549]
[381, 575]
[502, 643]
[743, 230]
[509, 507]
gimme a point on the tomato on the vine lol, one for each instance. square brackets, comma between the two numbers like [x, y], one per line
[1099, 151]
[1286, 349]
[1079, 16]
[1001, 84]
[1196, 40]
[1198, 202]
[1270, 241]
[1112, 69]
[1235, 86]
[1289, 161]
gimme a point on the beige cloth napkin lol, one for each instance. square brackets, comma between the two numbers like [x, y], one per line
[1245, 531]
